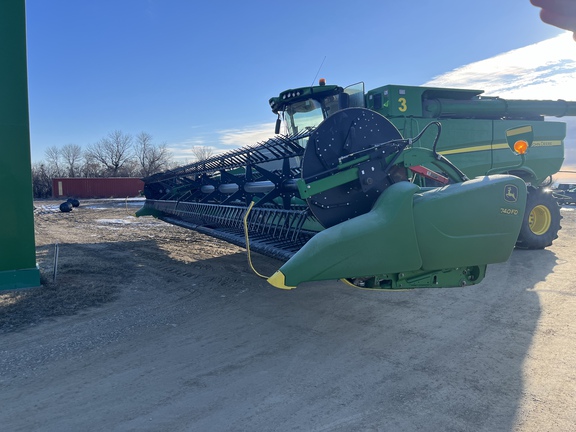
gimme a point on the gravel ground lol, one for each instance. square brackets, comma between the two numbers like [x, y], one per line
[150, 327]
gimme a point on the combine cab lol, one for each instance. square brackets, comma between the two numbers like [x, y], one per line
[401, 187]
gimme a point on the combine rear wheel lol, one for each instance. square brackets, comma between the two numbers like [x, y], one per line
[541, 221]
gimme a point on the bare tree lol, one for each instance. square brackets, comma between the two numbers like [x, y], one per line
[202, 152]
[151, 157]
[114, 152]
[71, 156]
[53, 161]
[91, 167]
[41, 181]
[129, 169]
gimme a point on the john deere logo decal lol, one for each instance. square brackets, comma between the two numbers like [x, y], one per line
[511, 193]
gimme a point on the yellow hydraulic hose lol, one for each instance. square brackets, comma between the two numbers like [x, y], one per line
[248, 240]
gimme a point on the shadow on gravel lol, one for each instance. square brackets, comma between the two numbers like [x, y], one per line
[78, 286]
[347, 359]
[93, 274]
[88, 275]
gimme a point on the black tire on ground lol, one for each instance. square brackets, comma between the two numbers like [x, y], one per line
[66, 207]
[74, 202]
[541, 221]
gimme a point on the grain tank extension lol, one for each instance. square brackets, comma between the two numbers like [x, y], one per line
[399, 187]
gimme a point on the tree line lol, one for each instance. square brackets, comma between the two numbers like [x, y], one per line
[118, 154]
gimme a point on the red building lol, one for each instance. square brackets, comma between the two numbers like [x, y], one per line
[100, 187]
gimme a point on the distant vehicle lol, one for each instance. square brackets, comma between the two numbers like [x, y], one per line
[565, 193]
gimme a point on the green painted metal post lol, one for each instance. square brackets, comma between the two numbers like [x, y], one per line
[17, 247]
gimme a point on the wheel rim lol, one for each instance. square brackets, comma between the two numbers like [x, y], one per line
[539, 220]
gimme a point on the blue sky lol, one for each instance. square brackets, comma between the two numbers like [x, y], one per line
[201, 72]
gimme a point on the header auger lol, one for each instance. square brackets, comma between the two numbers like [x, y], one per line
[344, 194]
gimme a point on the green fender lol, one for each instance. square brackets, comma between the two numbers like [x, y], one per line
[471, 223]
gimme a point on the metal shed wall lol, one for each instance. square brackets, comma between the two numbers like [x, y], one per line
[101, 187]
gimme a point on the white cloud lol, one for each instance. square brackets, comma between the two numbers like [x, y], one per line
[222, 141]
[187, 144]
[546, 70]
[543, 71]
[249, 135]
[181, 152]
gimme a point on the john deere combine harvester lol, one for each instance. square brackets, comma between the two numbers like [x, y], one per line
[343, 193]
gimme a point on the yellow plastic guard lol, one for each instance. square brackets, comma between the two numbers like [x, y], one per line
[278, 280]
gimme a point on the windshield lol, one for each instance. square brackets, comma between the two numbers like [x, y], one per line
[308, 114]
[302, 115]
[305, 115]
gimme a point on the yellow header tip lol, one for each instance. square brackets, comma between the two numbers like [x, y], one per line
[279, 281]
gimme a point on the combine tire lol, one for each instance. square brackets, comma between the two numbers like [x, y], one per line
[66, 207]
[541, 221]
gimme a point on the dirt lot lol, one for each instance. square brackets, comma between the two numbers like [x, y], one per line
[150, 327]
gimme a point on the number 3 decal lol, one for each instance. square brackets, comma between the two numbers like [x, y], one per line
[403, 107]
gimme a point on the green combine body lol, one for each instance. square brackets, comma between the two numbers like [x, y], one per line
[400, 187]
[473, 127]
